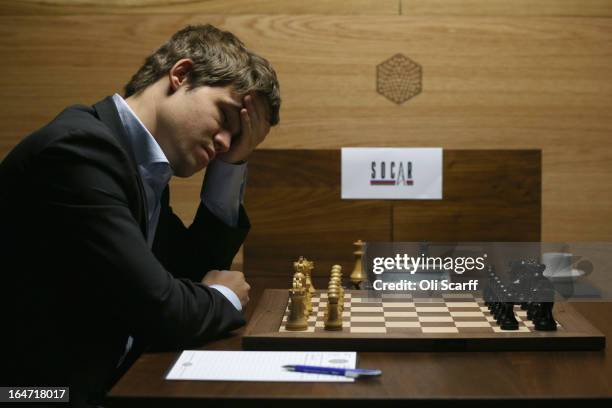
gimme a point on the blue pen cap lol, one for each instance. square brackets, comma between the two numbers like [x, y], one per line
[361, 372]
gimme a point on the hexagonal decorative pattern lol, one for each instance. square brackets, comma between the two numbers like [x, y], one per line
[398, 78]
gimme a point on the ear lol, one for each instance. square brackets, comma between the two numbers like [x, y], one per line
[179, 73]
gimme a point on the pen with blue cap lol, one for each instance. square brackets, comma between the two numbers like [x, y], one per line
[346, 372]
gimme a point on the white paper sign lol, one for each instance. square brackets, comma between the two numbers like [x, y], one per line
[392, 173]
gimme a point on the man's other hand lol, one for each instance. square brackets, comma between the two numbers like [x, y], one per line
[255, 126]
[233, 280]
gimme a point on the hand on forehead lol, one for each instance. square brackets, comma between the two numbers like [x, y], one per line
[262, 108]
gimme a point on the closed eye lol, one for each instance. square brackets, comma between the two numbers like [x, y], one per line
[222, 118]
[229, 112]
[232, 121]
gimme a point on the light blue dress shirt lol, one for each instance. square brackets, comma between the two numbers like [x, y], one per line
[222, 191]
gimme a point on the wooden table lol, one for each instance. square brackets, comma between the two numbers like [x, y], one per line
[463, 377]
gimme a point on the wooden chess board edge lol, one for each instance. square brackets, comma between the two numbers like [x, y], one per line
[262, 334]
[421, 344]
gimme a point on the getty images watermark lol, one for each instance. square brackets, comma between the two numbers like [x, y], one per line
[519, 271]
[404, 263]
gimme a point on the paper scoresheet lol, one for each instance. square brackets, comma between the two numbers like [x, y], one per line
[258, 365]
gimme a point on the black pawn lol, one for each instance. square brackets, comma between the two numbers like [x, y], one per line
[544, 320]
[495, 309]
[501, 311]
[533, 309]
[499, 305]
[507, 319]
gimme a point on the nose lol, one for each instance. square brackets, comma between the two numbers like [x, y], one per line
[222, 141]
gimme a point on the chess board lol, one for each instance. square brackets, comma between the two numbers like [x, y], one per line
[392, 313]
[401, 322]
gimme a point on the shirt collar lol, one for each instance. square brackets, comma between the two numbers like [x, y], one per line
[146, 150]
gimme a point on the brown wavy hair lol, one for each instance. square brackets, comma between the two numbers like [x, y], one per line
[219, 59]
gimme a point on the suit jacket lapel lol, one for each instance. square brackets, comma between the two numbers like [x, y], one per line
[107, 112]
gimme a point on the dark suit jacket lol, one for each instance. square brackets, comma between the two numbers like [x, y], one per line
[78, 277]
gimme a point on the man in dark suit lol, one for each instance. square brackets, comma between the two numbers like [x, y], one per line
[96, 267]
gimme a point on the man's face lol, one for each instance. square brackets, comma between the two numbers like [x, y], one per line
[195, 125]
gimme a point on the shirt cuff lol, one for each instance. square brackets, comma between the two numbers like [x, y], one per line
[223, 190]
[229, 295]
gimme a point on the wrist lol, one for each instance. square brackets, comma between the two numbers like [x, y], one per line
[237, 162]
[233, 157]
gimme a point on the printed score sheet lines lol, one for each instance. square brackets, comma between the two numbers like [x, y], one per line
[208, 365]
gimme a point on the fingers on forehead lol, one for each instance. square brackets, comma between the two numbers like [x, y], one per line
[261, 100]
[259, 103]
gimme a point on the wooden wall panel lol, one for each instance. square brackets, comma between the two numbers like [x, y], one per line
[573, 8]
[326, 7]
[488, 195]
[295, 206]
[488, 83]
[517, 8]
[293, 200]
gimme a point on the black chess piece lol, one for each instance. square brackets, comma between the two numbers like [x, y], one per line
[501, 308]
[503, 298]
[507, 320]
[495, 309]
[532, 310]
[499, 313]
[544, 320]
[527, 277]
[487, 293]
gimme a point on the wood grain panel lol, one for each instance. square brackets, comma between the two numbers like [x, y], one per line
[295, 208]
[487, 196]
[519, 8]
[325, 7]
[488, 83]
